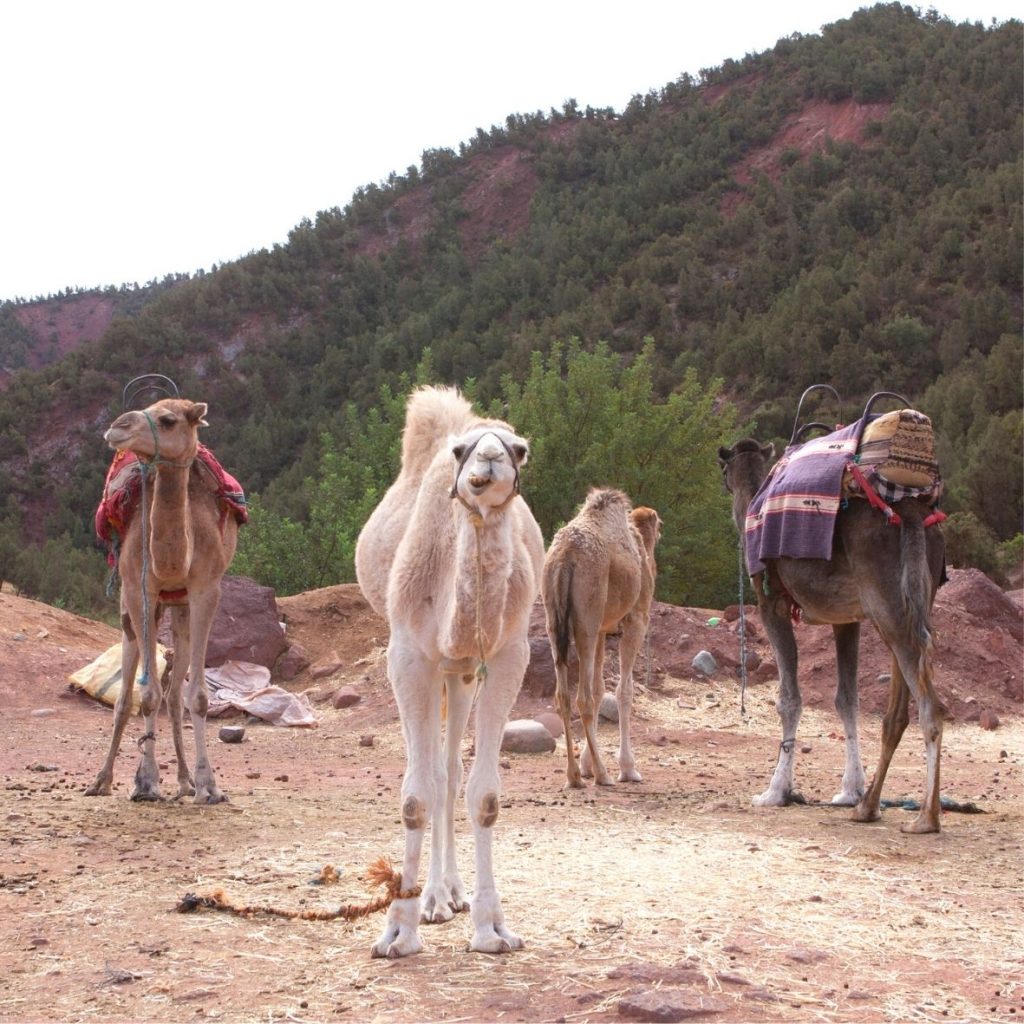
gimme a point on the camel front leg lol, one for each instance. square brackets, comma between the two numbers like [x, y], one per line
[847, 640]
[445, 895]
[104, 780]
[591, 691]
[897, 715]
[417, 689]
[634, 628]
[790, 705]
[202, 608]
[483, 795]
[147, 774]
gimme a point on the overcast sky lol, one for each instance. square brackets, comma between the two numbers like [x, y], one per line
[141, 139]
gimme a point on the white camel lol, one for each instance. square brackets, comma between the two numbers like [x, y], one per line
[452, 558]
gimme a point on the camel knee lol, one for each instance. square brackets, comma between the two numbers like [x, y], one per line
[126, 627]
[487, 812]
[150, 698]
[414, 813]
[199, 703]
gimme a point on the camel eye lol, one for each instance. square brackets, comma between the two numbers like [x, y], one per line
[167, 421]
[458, 451]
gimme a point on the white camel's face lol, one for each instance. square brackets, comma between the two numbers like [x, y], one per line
[489, 472]
[167, 428]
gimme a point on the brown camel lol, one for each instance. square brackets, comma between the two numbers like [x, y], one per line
[599, 579]
[190, 545]
[884, 573]
[452, 557]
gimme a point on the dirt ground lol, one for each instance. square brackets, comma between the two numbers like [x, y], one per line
[663, 900]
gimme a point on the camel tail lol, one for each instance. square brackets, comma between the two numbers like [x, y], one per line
[559, 609]
[916, 581]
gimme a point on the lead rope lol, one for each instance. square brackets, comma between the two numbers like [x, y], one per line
[481, 669]
[144, 678]
[743, 635]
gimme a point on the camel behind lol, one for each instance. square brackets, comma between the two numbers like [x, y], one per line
[599, 579]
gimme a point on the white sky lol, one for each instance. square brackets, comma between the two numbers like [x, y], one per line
[144, 138]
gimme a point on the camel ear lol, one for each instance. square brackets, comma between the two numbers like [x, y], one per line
[458, 451]
[195, 414]
[521, 452]
[768, 450]
[724, 455]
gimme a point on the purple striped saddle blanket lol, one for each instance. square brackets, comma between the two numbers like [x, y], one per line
[793, 514]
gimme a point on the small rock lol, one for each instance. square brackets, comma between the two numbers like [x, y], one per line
[366, 741]
[704, 663]
[37, 767]
[551, 722]
[988, 719]
[231, 733]
[42, 712]
[525, 736]
[281, 778]
[346, 697]
[326, 666]
[609, 709]
[668, 1005]
[293, 661]
[805, 748]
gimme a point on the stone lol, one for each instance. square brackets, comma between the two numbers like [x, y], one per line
[609, 709]
[988, 719]
[525, 736]
[732, 612]
[326, 666]
[247, 626]
[551, 722]
[231, 734]
[668, 1005]
[346, 697]
[366, 741]
[292, 662]
[704, 663]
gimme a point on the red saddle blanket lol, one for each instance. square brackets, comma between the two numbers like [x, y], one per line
[124, 485]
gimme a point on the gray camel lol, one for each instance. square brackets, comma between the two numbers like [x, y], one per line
[879, 572]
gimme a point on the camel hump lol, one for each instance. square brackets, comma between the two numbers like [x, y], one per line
[607, 499]
[431, 415]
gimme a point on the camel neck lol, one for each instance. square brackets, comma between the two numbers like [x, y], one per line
[171, 540]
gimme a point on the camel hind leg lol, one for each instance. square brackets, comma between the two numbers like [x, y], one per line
[847, 641]
[591, 692]
[634, 628]
[202, 607]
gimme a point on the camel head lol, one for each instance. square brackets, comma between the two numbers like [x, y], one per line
[487, 460]
[744, 466]
[648, 522]
[165, 431]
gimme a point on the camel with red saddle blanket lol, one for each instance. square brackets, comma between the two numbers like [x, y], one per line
[175, 544]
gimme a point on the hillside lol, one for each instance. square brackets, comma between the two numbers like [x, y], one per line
[844, 208]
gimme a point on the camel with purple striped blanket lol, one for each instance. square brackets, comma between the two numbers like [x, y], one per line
[884, 573]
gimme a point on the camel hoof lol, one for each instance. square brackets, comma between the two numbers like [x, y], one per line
[210, 796]
[864, 813]
[847, 799]
[605, 780]
[574, 783]
[147, 796]
[99, 788]
[769, 798]
[392, 946]
[920, 826]
[630, 775]
[495, 942]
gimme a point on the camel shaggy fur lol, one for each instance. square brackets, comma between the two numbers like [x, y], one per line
[879, 572]
[599, 578]
[190, 546]
[452, 558]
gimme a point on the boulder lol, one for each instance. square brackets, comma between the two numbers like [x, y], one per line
[704, 663]
[525, 736]
[552, 722]
[292, 662]
[247, 626]
[346, 697]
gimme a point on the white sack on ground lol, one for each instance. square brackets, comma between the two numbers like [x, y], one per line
[245, 686]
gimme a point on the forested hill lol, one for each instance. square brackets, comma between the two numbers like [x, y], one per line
[845, 207]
